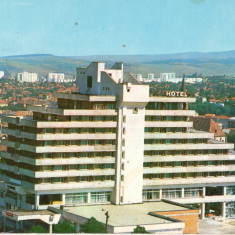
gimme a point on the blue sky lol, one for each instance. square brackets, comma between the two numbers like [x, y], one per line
[114, 27]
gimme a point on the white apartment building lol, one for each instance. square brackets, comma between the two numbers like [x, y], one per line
[55, 77]
[27, 77]
[170, 77]
[138, 77]
[114, 143]
[167, 77]
[1, 74]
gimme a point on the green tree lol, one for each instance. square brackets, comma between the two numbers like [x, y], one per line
[92, 226]
[37, 229]
[140, 229]
[64, 227]
[231, 138]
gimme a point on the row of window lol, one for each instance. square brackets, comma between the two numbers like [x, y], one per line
[77, 155]
[188, 175]
[164, 129]
[152, 194]
[95, 197]
[77, 179]
[166, 118]
[165, 106]
[60, 155]
[78, 167]
[78, 142]
[184, 152]
[189, 163]
[79, 130]
[175, 141]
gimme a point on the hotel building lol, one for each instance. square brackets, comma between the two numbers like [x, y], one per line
[114, 143]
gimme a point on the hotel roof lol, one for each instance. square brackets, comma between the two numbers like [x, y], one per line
[127, 215]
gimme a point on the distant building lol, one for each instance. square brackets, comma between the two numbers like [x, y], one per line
[1, 74]
[170, 77]
[151, 76]
[55, 77]
[167, 77]
[138, 77]
[27, 77]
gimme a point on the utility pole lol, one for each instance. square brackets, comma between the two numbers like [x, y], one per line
[107, 218]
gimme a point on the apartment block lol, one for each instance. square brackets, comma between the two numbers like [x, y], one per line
[27, 77]
[115, 143]
[1, 74]
[55, 77]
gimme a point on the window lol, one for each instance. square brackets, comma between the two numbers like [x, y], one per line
[151, 194]
[100, 196]
[83, 167]
[56, 180]
[171, 193]
[57, 168]
[89, 81]
[193, 192]
[136, 109]
[71, 198]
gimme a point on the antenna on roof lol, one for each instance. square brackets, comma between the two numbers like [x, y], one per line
[182, 87]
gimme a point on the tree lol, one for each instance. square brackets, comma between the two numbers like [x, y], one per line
[140, 229]
[92, 226]
[37, 229]
[231, 138]
[64, 227]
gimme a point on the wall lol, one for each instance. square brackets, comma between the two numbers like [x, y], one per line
[190, 217]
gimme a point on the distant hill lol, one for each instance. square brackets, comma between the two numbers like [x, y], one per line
[209, 63]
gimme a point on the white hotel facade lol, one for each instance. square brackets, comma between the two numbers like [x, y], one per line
[114, 143]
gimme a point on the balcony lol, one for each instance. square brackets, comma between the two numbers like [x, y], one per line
[69, 186]
[187, 146]
[169, 124]
[178, 182]
[66, 161]
[172, 99]
[67, 149]
[72, 112]
[170, 112]
[188, 169]
[67, 173]
[178, 135]
[10, 168]
[71, 136]
[201, 157]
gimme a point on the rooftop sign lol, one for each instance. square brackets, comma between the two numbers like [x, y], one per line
[176, 93]
[173, 93]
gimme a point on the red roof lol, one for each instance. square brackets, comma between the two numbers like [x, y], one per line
[207, 124]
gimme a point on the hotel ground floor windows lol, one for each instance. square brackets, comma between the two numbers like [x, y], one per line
[73, 198]
[230, 209]
[151, 194]
[171, 193]
[193, 192]
[100, 196]
[87, 197]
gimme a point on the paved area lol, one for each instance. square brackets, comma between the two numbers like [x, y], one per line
[211, 226]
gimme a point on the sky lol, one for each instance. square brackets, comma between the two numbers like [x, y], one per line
[115, 27]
